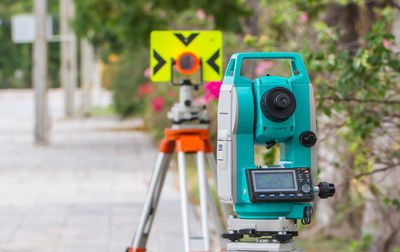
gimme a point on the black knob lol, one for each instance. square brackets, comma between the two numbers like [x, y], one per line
[307, 214]
[308, 139]
[270, 144]
[326, 190]
[188, 103]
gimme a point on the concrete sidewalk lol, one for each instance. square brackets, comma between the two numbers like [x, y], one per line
[82, 193]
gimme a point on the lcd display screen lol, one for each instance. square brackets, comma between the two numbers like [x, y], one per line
[274, 181]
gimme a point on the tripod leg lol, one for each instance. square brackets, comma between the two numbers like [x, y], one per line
[214, 213]
[151, 202]
[203, 199]
[213, 166]
[184, 200]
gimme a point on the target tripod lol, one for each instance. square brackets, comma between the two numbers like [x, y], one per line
[183, 139]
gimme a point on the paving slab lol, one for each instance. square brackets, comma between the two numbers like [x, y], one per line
[84, 191]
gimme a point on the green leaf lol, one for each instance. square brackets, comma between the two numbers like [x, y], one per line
[386, 201]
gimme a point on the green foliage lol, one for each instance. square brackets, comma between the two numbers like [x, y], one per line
[101, 111]
[359, 86]
[394, 202]
[359, 246]
[16, 59]
[121, 24]
[156, 119]
[124, 78]
[15, 63]
[270, 156]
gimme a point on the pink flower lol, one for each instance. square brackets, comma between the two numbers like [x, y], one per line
[210, 18]
[198, 101]
[200, 14]
[208, 98]
[387, 43]
[145, 89]
[212, 89]
[212, 93]
[148, 6]
[158, 103]
[170, 93]
[205, 99]
[147, 73]
[303, 17]
[262, 67]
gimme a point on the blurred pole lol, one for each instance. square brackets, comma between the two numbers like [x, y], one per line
[396, 29]
[39, 75]
[68, 56]
[90, 76]
[86, 72]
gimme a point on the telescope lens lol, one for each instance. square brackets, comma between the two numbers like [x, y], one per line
[278, 104]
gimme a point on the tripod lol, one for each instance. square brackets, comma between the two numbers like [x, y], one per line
[184, 139]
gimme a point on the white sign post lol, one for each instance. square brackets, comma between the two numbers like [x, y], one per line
[23, 28]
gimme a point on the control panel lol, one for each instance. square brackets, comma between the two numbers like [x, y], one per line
[280, 185]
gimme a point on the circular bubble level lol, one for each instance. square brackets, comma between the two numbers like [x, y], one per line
[187, 63]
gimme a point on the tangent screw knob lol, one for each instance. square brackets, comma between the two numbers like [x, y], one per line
[326, 190]
[308, 139]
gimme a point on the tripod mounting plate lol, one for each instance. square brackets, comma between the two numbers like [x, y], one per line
[262, 225]
[262, 246]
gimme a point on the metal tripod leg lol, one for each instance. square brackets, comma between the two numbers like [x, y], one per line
[151, 201]
[184, 200]
[203, 191]
[214, 212]
[213, 166]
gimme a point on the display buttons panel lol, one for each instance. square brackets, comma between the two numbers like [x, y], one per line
[280, 185]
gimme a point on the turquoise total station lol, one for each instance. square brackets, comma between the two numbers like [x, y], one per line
[257, 126]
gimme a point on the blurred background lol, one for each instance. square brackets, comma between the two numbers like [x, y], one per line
[105, 117]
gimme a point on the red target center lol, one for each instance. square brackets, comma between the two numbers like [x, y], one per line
[187, 63]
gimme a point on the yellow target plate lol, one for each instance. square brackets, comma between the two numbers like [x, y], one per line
[167, 45]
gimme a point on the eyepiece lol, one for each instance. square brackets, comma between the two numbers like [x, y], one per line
[282, 101]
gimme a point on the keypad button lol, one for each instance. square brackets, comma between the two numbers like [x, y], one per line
[282, 195]
[291, 194]
[306, 188]
[262, 195]
[272, 195]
